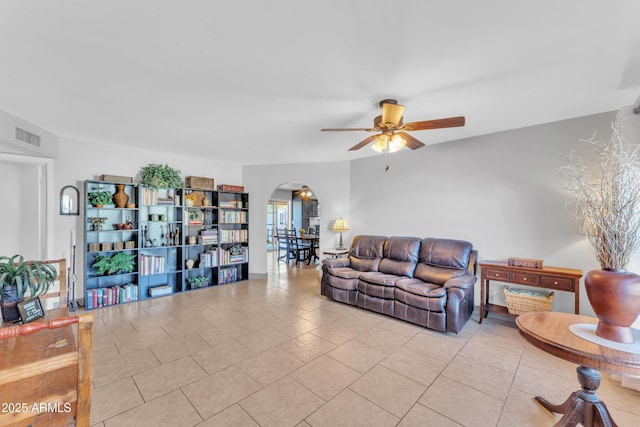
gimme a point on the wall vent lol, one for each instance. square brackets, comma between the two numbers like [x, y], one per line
[28, 137]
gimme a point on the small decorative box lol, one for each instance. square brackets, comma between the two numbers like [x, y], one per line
[94, 247]
[107, 246]
[525, 262]
[118, 246]
[231, 188]
[130, 244]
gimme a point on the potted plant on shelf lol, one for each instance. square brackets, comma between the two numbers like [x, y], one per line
[198, 282]
[160, 176]
[17, 277]
[606, 203]
[119, 263]
[100, 198]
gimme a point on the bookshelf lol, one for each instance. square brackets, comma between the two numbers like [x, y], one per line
[233, 225]
[175, 248]
[161, 250]
[110, 231]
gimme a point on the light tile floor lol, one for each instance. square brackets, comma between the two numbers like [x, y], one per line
[276, 353]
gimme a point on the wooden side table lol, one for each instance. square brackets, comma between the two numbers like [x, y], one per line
[550, 332]
[554, 278]
[335, 253]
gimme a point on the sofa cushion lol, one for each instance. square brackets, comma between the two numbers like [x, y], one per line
[400, 256]
[344, 272]
[366, 252]
[380, 278]
[442, 259]
[416, 293]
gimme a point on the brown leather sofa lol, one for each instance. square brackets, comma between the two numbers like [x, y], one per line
[428, 282]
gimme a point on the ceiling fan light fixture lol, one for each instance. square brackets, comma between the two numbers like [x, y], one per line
[396, 143]
[381, 143]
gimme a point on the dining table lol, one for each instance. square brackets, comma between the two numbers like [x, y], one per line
[313, 240]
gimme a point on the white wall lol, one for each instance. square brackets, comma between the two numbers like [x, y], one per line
[502, 192]
[330, 183]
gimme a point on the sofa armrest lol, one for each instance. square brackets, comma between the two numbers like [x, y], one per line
[338, 262]
[459, 301]
[462, 282]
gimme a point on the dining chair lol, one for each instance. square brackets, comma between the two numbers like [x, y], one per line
[298, 248]
[61, 267]
[284, 249]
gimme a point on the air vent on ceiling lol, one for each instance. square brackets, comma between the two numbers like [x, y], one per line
[28, 137]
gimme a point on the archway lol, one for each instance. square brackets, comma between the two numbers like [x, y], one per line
[293, 206]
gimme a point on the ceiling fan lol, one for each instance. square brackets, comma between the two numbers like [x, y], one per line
[393, 134]
[304, 192]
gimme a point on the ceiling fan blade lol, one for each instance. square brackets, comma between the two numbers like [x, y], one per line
[392, 113]
[363, 143]
[347, 129]
[411, 141]
[435, 124]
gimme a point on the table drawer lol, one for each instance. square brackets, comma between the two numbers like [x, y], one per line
[560, 283]
[497, 275]
[525, 279]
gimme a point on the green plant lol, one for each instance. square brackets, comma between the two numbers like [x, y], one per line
[198, 282]
[34, 276]
[100, 197]
[160, 176]
[120, 262]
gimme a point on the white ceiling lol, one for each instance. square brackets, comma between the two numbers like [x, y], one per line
[254, 81]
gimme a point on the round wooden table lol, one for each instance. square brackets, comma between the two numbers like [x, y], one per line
[550, 332]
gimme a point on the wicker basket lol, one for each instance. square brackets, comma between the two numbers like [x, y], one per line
[520, 301]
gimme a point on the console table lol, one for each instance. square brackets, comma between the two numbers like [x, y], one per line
[550, 333]
[555, 278]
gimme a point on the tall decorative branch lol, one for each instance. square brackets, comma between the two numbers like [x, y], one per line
[605, 199]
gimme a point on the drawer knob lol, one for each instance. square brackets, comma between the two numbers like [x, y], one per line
[555, 283]
[525, 278]
[497, 275]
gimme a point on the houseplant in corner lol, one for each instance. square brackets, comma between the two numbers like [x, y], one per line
[606, 202]
[17, 277]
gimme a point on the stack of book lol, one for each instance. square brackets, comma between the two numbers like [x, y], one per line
[208, 237]
[232, 236]
[209, 259]
[234, 217]
[151, 264]
[227, 275]
[229, 257]
[103, 297]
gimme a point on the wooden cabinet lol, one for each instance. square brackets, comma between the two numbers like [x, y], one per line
[175, 248]
[555, 278]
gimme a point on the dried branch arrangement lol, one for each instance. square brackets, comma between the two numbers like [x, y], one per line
[605, 199]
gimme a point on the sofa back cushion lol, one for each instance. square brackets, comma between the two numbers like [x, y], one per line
[366, 252]
[400, 256]
[442, 259]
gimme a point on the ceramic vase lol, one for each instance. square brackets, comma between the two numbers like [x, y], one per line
[615, 298]
[120, 198]
[189, 263]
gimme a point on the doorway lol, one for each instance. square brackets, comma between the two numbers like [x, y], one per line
[277, 216]
[294, 206]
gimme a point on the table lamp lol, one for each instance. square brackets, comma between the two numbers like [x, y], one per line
[339, 226]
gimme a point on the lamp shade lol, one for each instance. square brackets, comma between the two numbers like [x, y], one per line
[340, 225]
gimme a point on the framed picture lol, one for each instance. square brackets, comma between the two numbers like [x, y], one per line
[30, 310]
[69, 196]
